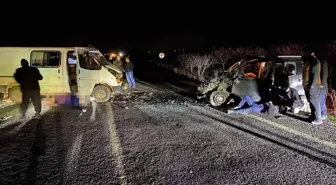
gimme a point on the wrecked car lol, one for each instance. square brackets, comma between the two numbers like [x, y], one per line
[251, 77]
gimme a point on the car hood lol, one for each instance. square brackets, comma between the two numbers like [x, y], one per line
[113, 67]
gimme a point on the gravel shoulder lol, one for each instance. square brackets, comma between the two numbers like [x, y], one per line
[153, 136]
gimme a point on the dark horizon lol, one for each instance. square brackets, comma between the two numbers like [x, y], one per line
[161, 41]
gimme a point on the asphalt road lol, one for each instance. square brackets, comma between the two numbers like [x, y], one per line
[156, 136]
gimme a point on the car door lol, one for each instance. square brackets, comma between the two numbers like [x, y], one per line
[50, 66]
[294, 75]
[87, 71]
[248, 85]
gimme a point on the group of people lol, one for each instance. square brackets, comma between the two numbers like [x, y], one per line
[283, 98]
[28, 77]
[126, 67]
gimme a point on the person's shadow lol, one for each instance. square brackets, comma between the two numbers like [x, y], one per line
[38, 149]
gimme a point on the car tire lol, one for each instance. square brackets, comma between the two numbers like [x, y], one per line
[217, 98]
[101, 93]
[15, 94]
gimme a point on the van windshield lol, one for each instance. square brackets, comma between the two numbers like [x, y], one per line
[99, 57]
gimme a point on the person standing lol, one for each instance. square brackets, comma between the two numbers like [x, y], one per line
[324, 88]
[117, 62]
[129, 66]
[28, 77]
[311, 84]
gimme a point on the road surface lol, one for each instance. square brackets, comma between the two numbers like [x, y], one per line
[155, 136]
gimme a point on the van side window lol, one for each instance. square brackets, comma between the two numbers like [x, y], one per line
[86, 61]
[45, 58]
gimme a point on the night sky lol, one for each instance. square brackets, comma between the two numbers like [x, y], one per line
[155, 33]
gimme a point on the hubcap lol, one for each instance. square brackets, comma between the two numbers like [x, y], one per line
[219, 98]
[100, 94]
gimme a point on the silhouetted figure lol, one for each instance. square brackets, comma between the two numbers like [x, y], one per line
[324, 88]
[129, 66]
[312, 84]
[119, 63]
[28, 78]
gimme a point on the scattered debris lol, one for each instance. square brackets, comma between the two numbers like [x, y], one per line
[144, 97]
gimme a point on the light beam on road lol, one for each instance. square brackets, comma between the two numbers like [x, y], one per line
[73, 155]
[115, 145]
[290, 130]
[94, 110]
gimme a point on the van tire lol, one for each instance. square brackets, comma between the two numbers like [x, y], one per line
[15, 94]
[217, 98]
[101, 93]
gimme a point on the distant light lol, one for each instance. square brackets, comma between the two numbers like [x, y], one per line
[161, 55]
[121, 54]
[112, 55]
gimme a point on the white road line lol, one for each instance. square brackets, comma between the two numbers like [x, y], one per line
[293, 131]
[74, 154]
[282, 127]
[176, 87]
[116, 145]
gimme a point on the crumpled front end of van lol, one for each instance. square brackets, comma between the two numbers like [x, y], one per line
[116, 72]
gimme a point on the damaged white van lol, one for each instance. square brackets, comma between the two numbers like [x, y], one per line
[80, 70]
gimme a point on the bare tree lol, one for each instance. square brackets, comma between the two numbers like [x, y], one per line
[290, 49]
[202, 62]
[242, 52]
[259, 52]
[222, 55]
[187, 61]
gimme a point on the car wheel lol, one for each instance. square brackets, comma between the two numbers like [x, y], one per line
[15, 94]
[101, 93]
[217, 98]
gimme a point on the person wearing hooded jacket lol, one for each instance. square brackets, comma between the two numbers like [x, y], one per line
[28, 77]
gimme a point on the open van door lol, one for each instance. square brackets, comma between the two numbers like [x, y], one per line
[87, 70]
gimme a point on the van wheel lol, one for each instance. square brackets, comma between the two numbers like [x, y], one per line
[15, 94]
[217, 98]
[101, 93]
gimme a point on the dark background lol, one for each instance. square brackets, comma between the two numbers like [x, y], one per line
[163, 25]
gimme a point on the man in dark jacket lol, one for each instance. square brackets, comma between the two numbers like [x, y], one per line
[117, 62]
[129, 66]
[311, 84]
[287, 98]
[28, 78]
[324, 89]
